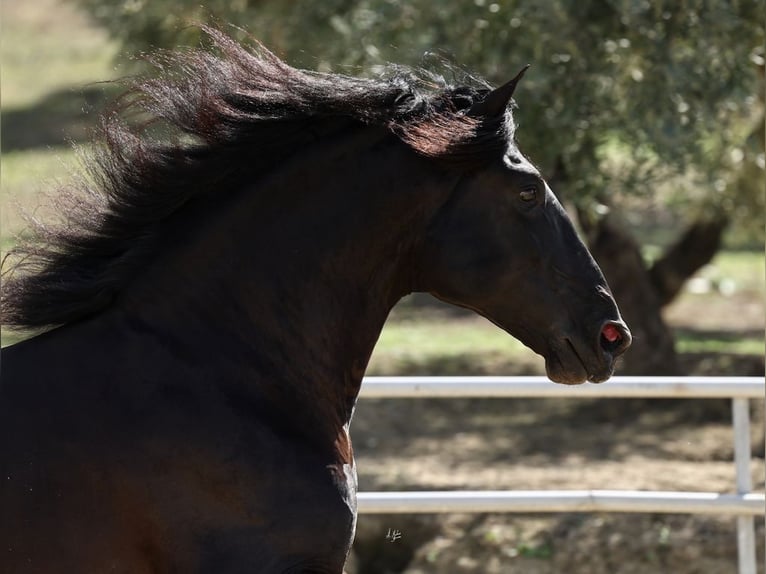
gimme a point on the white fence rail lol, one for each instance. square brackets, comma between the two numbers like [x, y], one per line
[535, 501]
[540, 387]
[744, 504]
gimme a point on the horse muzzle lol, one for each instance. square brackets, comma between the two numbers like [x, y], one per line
[573, 361]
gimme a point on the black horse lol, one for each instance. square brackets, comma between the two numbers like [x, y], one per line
[216, 287]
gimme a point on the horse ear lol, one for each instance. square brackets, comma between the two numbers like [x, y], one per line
[496, 102]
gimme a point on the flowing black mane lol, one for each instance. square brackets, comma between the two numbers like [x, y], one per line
[212, 118]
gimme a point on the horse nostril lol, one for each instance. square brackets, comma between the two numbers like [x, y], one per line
[615, 338]
[611, 334]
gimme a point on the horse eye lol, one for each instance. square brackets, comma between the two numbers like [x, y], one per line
[528, 194]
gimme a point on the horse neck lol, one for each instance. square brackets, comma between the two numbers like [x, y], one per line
[281, 293]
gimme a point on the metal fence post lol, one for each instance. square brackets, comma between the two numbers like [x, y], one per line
[745, 524]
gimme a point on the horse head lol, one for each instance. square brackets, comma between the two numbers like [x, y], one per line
[503, 246]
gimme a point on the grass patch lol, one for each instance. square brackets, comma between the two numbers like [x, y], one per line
[49, 45]
[736, 343]
[50, 50]
[449, 346]
[7, 338]
[747, 270]
[26, 176]
[444, 337]
[30, 170]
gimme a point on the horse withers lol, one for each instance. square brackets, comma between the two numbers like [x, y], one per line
[210, 303]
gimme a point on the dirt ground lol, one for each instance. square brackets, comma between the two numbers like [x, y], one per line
[556, 444]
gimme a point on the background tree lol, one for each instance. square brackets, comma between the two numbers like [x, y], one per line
[652, 99]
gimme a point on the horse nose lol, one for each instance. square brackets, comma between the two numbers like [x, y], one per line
[615, 338]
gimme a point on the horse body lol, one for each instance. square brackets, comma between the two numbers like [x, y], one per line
[203, 425]
[173, 471]
[199, 421]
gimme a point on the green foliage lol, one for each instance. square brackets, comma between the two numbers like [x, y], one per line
[623, 94]
[541, 552]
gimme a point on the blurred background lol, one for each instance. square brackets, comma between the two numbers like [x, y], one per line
[646, 117]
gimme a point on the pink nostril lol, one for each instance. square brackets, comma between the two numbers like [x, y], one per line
[611, 333]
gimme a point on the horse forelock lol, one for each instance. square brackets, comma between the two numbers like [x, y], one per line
[177, 133]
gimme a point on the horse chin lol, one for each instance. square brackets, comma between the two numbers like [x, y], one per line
[567, 367]
[570, 374]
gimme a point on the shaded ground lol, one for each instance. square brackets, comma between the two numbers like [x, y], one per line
[558, 444]
[60, 118]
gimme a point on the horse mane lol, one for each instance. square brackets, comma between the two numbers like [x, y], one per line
[181, 132]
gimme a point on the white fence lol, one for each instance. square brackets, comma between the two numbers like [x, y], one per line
[744, 504]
